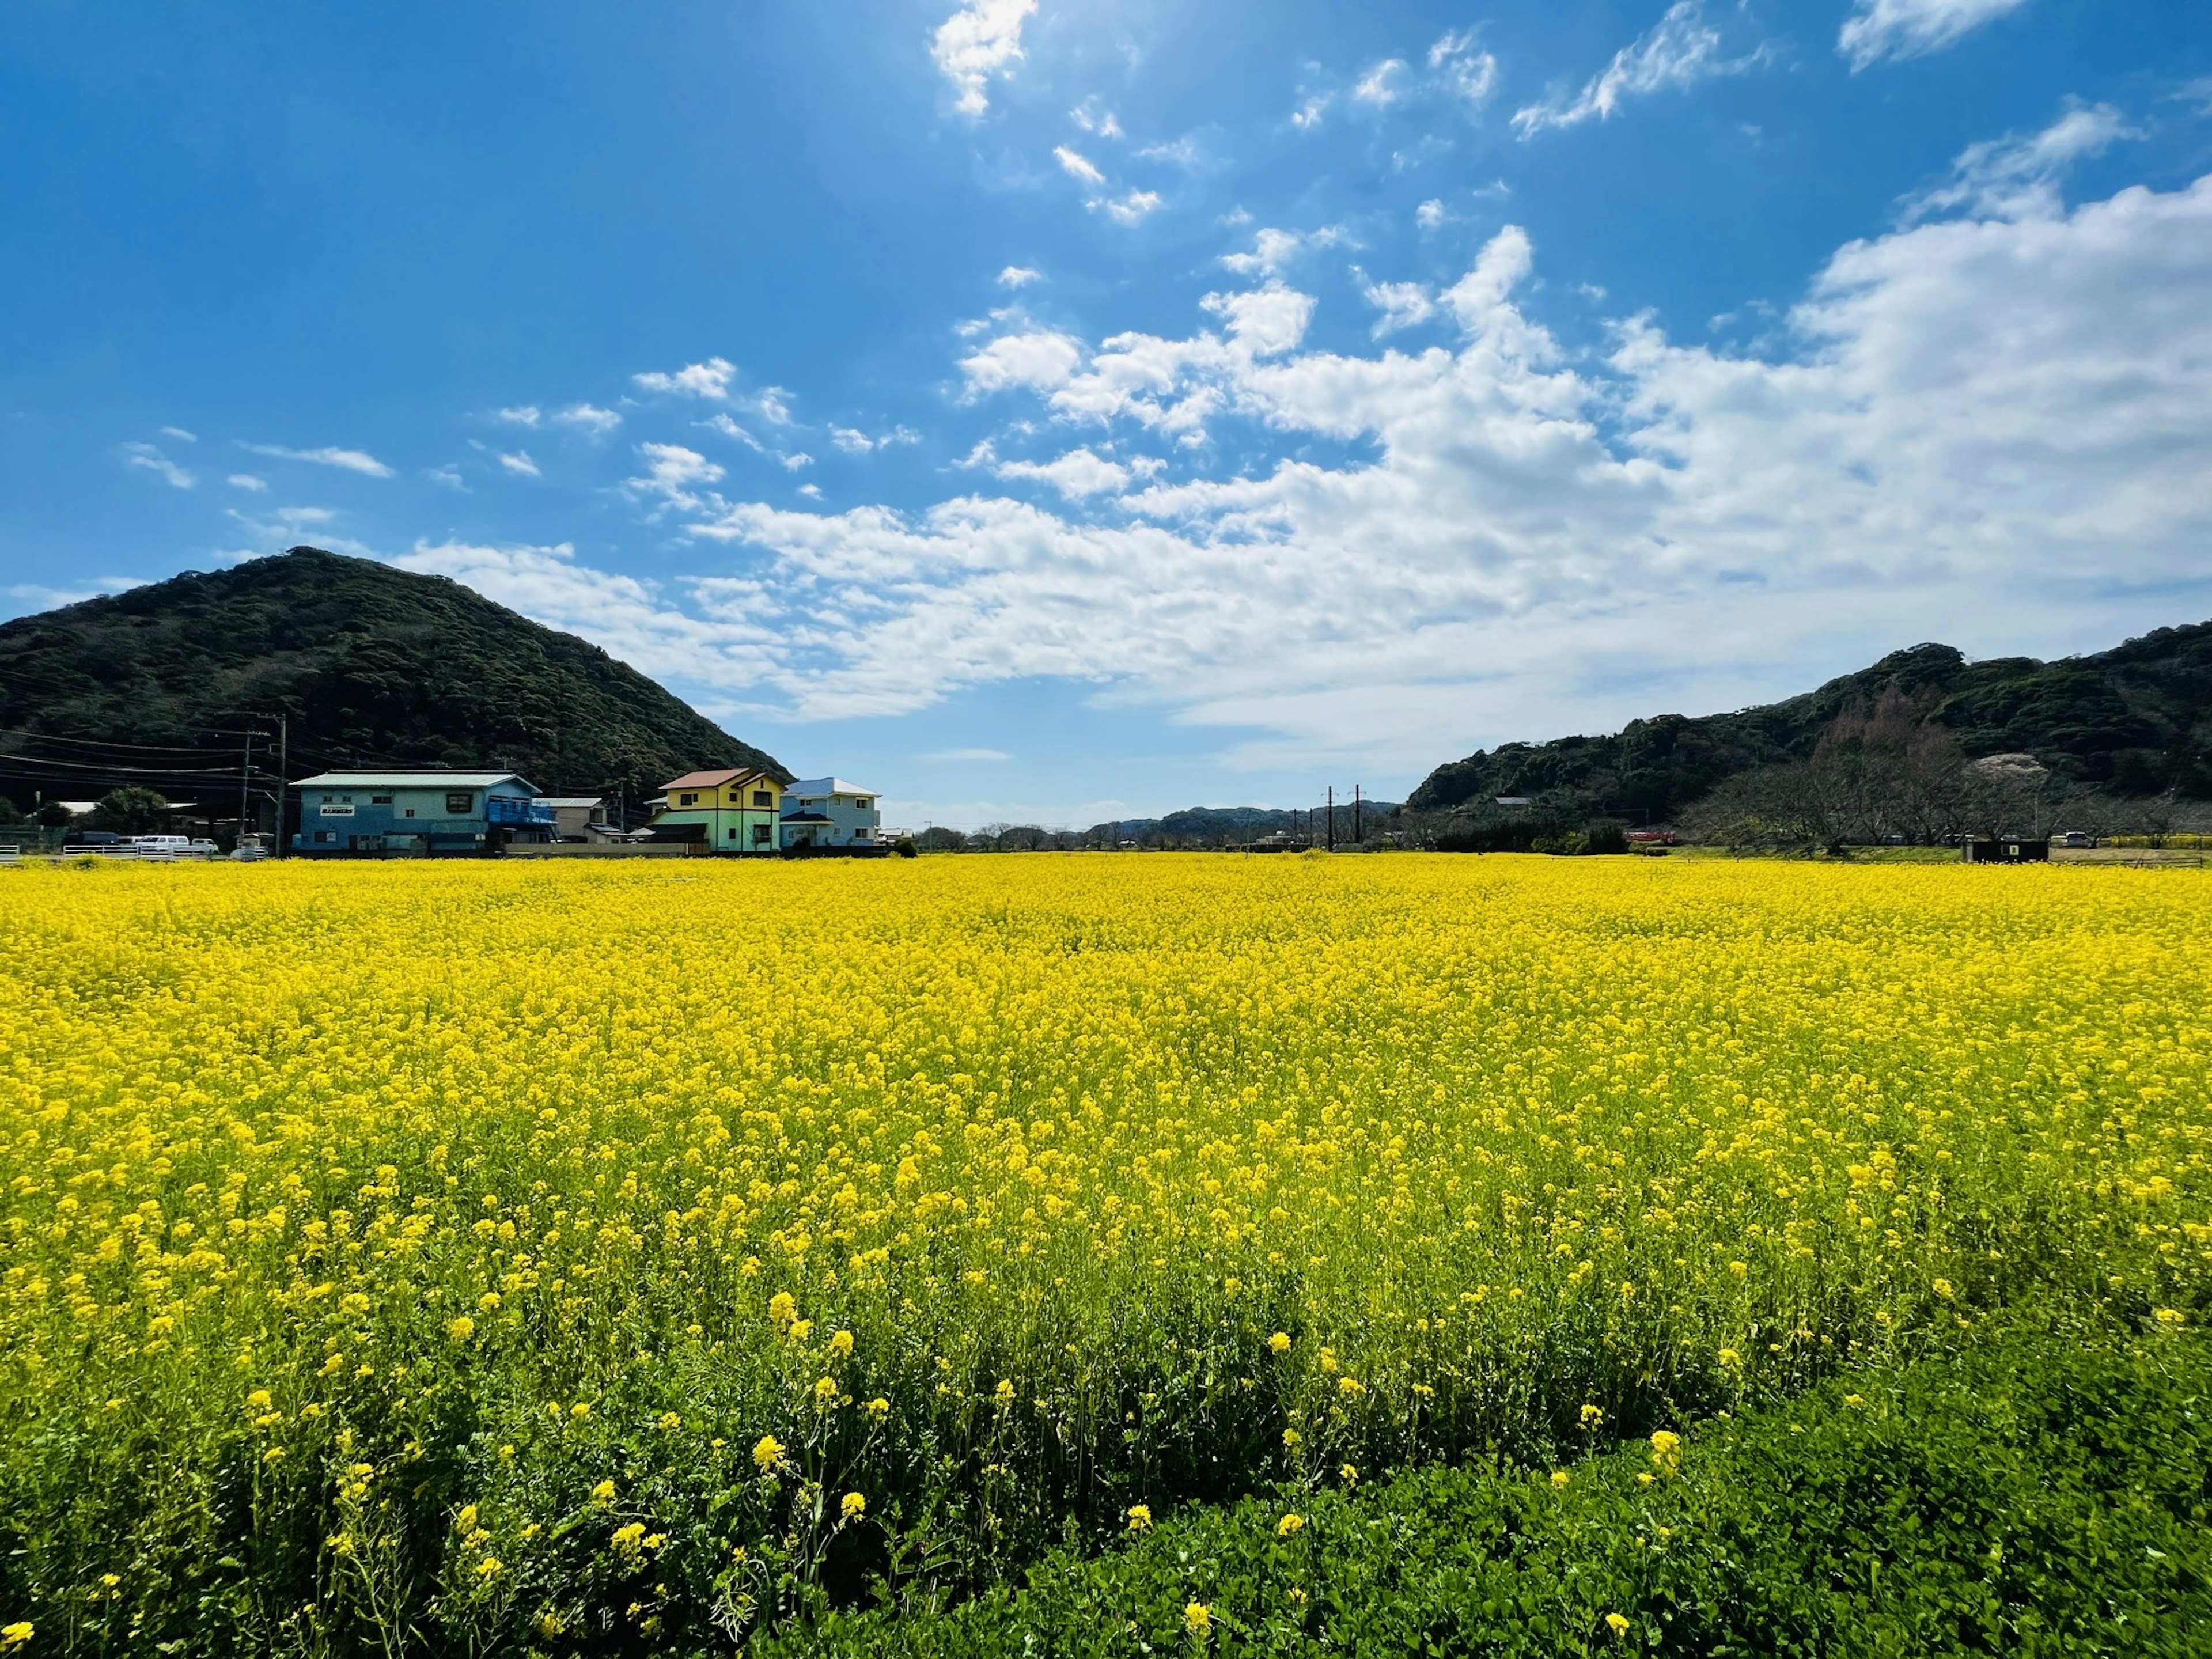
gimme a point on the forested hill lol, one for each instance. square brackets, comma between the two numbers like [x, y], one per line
[2134, 720]
[373, 666]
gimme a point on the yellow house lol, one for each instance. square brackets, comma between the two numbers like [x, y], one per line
[725, 811]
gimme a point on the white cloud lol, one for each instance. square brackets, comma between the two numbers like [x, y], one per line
[674, 476]
[729, 429]
[773, 403]
[1381, 85]
[1078, 475]
[1469, 73]
[1988, 429]
[2017, 176]
[521, 414]
[248, 480]
[1430, 214]
[1019, 277]
[346, 461]
[1272, 249]
[1089, 117]
[449, 476]
[1910, 29]
[954, 755]
[1308, 114]
[1076, 166]
[1403, 305]
[851, 441]
[1680, 51]
[180, 435]
[735, 644]
[519, 464]
[1128, 210]
[794, 462]
[976, 42]
[710, 380]
[1039, 359]
[149, 457]
[593, 421]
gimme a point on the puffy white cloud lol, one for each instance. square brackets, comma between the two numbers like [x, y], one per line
[521, 414]
[1019, 277]
[1910, 29]
[519, 464]
[1127, 208]
[1272, 249]
[346, 461]
[1430, 214]
[710, 380]
[1678, 50]
[1078, 475]
[978, 41]
[1038, 358]
[1991, 429]
[1403, 305]
[2016, 177]
[674, 476]
[150, 457]
[593, 421]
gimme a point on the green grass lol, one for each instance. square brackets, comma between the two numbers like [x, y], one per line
[2048, 1492]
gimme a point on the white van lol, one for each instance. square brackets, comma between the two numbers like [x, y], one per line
[164, 847]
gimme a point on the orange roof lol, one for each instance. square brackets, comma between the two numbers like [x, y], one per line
[715, 780]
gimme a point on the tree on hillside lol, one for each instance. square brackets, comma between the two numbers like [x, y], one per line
[130, 810]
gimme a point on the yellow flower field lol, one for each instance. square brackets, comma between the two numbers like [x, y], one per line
[445, 1257]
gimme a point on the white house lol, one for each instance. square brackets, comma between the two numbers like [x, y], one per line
[830, 812]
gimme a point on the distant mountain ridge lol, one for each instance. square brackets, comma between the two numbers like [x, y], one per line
[2134, 720]
[371, 665]
[1216, 825]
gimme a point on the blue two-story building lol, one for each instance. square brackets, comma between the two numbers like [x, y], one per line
[423, 813]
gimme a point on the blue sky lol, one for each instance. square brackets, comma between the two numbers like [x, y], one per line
[1063, 410]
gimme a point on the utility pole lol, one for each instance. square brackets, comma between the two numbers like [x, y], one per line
[1358, 825]
[1332, 817]
[283, 767]
[245, 776]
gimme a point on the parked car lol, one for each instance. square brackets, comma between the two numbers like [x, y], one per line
[251, 849]
[92, 838]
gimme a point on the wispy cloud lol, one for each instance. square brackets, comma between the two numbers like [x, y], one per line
[346, 461]
[1680, 51]
[519, 464]
[449, 476]
[1468, 71]
[955, 755]
[150, 457]
[521, 414]
[1019, 277]
[1911, 28]
[180, 435]
[1077, 166]
[1382, 86]
[248, 480]
[1128, 210]
[2017, 176]
[977, 42]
